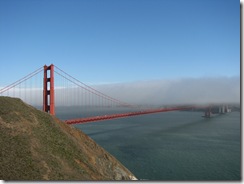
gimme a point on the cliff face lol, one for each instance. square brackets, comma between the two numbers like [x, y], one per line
[37, 146]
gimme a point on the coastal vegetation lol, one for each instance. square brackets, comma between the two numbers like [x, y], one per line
[38, 146]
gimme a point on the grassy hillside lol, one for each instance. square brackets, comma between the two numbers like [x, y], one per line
[37, 146]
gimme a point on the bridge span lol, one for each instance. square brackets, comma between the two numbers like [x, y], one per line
[70, 92]
[115, 116]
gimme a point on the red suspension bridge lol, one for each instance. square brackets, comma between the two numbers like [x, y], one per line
[67, 93]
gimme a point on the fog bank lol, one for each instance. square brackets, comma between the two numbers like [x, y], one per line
[180, 91]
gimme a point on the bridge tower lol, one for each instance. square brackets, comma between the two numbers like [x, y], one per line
[207, 113]
[48, 90]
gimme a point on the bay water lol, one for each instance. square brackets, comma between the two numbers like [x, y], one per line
[172, 146]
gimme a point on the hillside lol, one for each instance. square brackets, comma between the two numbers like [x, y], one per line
[37, 146]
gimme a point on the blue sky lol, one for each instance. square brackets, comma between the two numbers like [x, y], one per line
[109, 41]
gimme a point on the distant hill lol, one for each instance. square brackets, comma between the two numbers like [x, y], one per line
[37, 146]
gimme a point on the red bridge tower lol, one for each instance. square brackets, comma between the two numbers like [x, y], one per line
[48, 90]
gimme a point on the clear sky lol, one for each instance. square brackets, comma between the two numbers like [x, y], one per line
[109, 41]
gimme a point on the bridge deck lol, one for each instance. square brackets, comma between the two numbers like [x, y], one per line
[114, 116]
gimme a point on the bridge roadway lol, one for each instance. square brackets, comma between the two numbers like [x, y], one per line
[114, 116]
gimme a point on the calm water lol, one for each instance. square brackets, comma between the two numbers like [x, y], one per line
[173, 145]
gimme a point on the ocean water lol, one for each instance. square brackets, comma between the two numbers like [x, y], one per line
[174, 146]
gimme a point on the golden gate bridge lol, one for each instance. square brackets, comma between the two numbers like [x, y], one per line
[47, 88]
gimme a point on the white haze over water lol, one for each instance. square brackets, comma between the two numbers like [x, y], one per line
[176, 91]
[153, 92]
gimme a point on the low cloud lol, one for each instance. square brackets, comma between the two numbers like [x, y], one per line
[155, 92]
[181, 91]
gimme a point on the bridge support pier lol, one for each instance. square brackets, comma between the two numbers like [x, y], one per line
[207, 113]
[48, 90]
